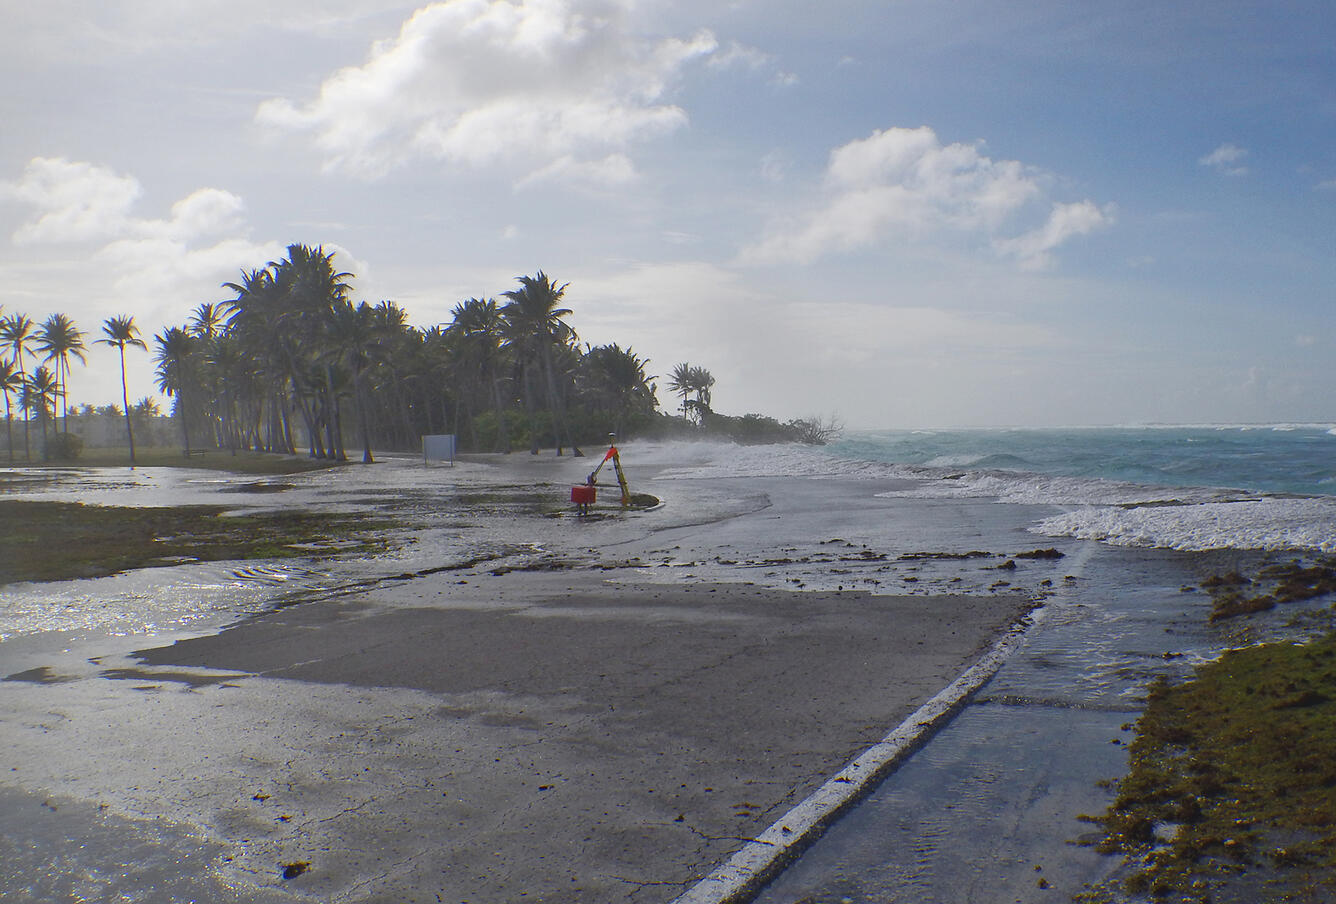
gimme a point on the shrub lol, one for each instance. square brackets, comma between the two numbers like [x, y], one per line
[63, 447]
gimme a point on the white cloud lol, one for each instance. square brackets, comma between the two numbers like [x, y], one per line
[905, 183]
[1034, 249]
[736, 54]
[170, 273]
[116, 29]
[150, 265]
[753, 59]
[1225, 159]
[73, 201]
[612, 171]
[527, 82]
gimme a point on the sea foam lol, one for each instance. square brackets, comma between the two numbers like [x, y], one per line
[1270, 523]
[1112, 511]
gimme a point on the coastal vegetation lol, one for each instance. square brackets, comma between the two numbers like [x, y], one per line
[291, 363]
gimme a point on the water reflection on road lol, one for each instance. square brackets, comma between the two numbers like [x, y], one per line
[989, 811]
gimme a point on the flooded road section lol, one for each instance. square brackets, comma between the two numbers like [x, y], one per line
[989, 811]
[448, 516]
[215, 784]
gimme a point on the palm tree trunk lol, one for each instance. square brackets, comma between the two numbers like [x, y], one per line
[527, 378]
[125, 404]
[185, 427]
[9, 427]
[362, 424]
[503, 435]
[555, 404]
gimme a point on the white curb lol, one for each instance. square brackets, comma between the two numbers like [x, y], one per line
[743, 874]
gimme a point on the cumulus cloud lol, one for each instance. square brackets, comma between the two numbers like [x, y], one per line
[905, 183]
[73, 201]
[1226, 159]
[76, 201]
[143, 261]
[526, 82]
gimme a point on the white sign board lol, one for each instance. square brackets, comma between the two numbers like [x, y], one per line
[440, 447]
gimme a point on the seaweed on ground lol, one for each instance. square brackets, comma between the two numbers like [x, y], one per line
[48, 541]
[1232, 780]
[1233, 594]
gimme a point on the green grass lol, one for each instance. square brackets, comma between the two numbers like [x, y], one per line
[1233, 778]
[48, 541]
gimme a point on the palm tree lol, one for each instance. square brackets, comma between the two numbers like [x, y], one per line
[702, 381]
[209, 319]
[174, 359]
[400, 347]
[254, 321]
[480, 329]
[535, 325]
[11, 381]
[282, 316]
[680, 382]
[16, 333]
[144, 411]
[236, 386]
[352, 336]
[58, 339]
[616, 378]
[120, 332]
[312, 288]
[687, 379]
[39, 395]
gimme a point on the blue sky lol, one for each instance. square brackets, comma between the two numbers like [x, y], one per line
[899, 213]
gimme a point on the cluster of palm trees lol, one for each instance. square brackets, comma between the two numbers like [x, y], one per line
[292, 359]
[688, 380]
[42, 395]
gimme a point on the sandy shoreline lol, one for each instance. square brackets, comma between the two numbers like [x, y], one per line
[568, 735]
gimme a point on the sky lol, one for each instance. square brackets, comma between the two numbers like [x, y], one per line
[898, 213]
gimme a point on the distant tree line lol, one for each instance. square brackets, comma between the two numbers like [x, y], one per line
[292, 361]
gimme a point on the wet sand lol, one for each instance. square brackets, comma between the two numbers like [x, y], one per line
[551, 735]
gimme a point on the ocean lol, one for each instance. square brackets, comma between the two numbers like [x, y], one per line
[1277, 459]
[1192, 488]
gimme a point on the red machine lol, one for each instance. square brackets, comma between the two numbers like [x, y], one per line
[583, 496]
